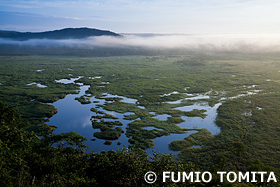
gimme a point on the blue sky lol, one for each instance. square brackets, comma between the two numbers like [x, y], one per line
[143, 16]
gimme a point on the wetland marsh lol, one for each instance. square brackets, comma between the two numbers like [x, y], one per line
[163, 103]
[79, 117]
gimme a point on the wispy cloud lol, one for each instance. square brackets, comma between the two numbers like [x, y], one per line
[162, 16]
[72, 18]
[24, 21]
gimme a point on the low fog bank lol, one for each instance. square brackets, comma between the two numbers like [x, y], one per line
[194, 42]
[135, 44]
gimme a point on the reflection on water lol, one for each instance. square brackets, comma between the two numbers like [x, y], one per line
[165, 95]
[196, 146]
[96, 77]
[151, 128]
[162, 143]
[162, 117]
[142, 107]
[74, 116]
[37, 84]
[124, 99]
[68, 81]
[251, 92]
[197, 97]
[197, 122]
[40, 70]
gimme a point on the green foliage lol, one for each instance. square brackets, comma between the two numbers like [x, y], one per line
[196, 113]
[200, 138]
[108, 142]
[27, 159]
[109, 131]
[94, 110]
[110, 134]
[128, 167]
[9, 115]
[175, 120]
[83, 100]
[130, 117]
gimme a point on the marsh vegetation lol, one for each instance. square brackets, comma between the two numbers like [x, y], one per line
[225, 105]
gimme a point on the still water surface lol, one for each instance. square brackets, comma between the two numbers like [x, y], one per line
[73, 116]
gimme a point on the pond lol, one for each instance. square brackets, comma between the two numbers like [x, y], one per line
[197, 122]
[73, 116]
[162, 143]
[76, 117]
[37, 84]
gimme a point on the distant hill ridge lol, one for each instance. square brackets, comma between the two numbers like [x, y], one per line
[67, 33]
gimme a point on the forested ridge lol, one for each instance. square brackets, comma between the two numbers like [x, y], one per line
[66, 33]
